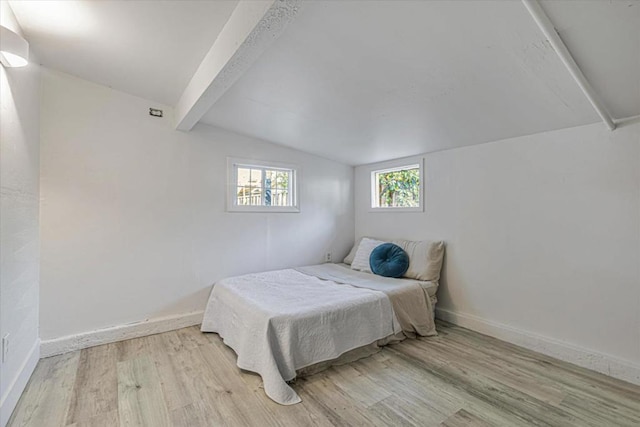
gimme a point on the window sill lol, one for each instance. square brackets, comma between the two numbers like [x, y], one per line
[265, 209]
[396, 210]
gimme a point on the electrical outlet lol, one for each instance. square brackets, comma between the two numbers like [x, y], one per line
[5, 348]
[327, 257]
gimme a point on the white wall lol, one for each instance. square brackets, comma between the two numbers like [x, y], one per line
[543, 235]
[133, 221]
[19, 246]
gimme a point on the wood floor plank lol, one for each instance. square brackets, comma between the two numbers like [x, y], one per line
[45, 401]
[358, 385]
[165, 350]
[337, 405]
[608, 394]
[140, 398]
[569, 374]
[191, 338]
[485, 388]
[398, 411]
[197, 414]
[409, 383]
[499, 369]
[417, 385]
[132, 349]
[304, 414]
[463, 418]
[187, 378]
[105, 419]
[594, 414]
[230, 391]
[96, 387]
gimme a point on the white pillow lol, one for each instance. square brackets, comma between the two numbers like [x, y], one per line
[361, 259]
[425, 259]
[352, 253]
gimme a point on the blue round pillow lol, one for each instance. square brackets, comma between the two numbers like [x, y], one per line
[389, 260]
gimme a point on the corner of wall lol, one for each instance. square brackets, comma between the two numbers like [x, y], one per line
[19, 383]
[19, 191]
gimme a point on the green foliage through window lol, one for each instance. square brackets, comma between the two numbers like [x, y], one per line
[398, 188]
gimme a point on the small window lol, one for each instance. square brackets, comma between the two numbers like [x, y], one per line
[397, 188]
[256, 186]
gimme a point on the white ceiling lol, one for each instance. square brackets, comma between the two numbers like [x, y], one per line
[604, 39]
[146, 48]
[361, 82]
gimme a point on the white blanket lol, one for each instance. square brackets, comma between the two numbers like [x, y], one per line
[281, 321]
[409, 299]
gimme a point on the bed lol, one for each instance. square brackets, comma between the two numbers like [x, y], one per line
[285, 323]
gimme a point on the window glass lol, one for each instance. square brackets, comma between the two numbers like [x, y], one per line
[396, 188]
[262, 187]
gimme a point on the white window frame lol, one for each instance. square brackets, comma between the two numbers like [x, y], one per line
[390, 166]
[233, 163]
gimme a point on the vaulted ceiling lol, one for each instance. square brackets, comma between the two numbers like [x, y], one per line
[368, 81]
[361, 81]
[145, 48]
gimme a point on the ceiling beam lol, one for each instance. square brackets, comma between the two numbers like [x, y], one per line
[250, 30]
[548, 29]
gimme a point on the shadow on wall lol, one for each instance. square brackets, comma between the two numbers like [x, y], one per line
[449, 276]
[443, 288]
[18, 110]
[190, 303]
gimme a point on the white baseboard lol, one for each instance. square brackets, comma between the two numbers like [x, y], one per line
[17, 386]
[599, 362]
[119, 333]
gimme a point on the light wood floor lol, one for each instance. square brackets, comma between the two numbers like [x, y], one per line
[186, 378]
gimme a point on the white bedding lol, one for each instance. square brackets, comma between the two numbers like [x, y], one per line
[409, 298]
[343, 272]
[281, 321]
